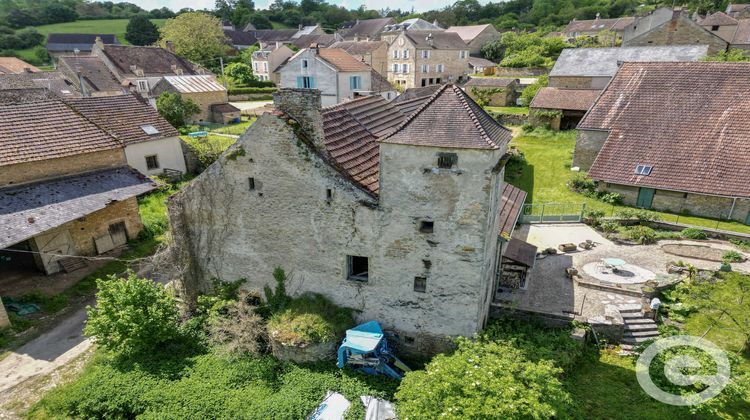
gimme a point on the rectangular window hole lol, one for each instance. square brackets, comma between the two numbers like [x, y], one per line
[420, 284]
[447, 160]
[329, 195]
[251, 184]
[357, 268]
[427, 264]
[426, 226]
[408, 340]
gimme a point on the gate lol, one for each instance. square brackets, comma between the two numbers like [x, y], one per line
[552, 212]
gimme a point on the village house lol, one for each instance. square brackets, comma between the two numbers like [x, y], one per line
[210, 96]
[422, 58]
[268, 37]
[90, 76]
[338, 75]
[364, 30]
[66, 188]
[152, 145]
[321, 40]
[667, 26]
[70, 44]
[594, 27]
[13, 65]
[391, 32]
[735, 31]
[51, 82]
[580, 74]
[672, 137]
[478, 65]
[240, 40]
[143, 67]
[475, 36]
[738, 11]
[395, 216]
[265, 62]
[411, 99]
[493, 91]
[372, 53]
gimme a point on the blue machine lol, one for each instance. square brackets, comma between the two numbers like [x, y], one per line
[365, 348]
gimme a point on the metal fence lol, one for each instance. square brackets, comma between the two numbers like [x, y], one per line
[552, 212]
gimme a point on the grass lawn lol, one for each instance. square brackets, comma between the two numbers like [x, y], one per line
[544, 176]
[516, 110]
[106, 26]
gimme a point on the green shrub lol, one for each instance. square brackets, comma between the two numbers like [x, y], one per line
[611, 198]
[48, 303]
[732, 257]
[640, 234]
[251, 90]
[593, 217]
[638, 214]
[741, 244]
[208, 149]
[484, 379]
[132, 315]
[693, 233]
[580, 183]
[609, 226]
[309, 319]
[277, 299]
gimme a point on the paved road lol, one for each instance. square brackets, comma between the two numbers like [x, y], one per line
[45, 353]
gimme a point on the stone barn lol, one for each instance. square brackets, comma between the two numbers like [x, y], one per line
[397, 216]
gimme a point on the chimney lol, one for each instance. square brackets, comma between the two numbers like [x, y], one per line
[84, 91]
[98, 41]
[169, 46]
[315, 47]
[304, 107]
[429, 39]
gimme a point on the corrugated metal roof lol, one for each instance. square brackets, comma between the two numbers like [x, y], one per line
[194, 84]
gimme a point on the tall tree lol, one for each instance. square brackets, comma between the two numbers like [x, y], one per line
[196, 36]
[141, 31]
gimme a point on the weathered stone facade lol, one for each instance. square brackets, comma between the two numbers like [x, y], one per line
[588, 145]
[69, 165]
[667, 27]
[453, 62]
[273, 200]
[579, 82]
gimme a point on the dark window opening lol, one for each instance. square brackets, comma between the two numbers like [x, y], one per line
[251, 184]
[357, 268]
[447, 160]
[438, 80]
[329, 195]
[432, 81]
[426, 226]
[152, 162]
[424, 82]
[420, 284]
[408, 340]
[427, 264]
[715, 28]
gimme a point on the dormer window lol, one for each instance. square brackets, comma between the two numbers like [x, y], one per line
[644, 170]
[149, 129]
[142, 86]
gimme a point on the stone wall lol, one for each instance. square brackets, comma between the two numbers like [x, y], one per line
[77, 237]
[287, 220]
[579, 82]
[678, 31]
[455, 67]
[52, 168]
[4, 321]
[489, 34]
[521, 71]
[510, 119]
[588, 145]
[204, 100]
[506, 96]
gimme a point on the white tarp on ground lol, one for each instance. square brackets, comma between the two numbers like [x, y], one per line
[378, 409]
[333, 407]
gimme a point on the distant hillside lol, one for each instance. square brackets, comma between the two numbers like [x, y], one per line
[107, 26]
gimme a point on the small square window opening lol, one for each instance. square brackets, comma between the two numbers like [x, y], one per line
[152, 162]
[426, 226]
[447, 160]
[357, 268]
[420, 284]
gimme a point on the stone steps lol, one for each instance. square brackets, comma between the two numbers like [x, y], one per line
[637, 328]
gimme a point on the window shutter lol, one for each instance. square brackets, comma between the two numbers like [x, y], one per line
[312, 83]
[299, 82]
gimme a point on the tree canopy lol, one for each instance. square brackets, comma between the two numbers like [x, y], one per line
[196, 36]
[141, 31]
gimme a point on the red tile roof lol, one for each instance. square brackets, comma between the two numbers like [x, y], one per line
[564, 99]
[687, 120]
[511, 203]
[122, 116]
[13, 65]
[718, 19]
[468, 33]
[342, 60]
[35, 131]
[450, 118]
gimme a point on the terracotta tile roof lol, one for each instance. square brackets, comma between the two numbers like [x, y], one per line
[450, 118]
[194, 83]
[122, 116]
[511, 203]
[359, 47]
[718, 19]
[742, 35]
[409, 106]
[418, 92]
[153, 60]
[95, 73]
[737, 7]
[342, 60]
[441, 40]
[468, 33]
[565, 99]
[490, 82]
[43, 130]
[30, 209]
[323, 40]
[596, 25]
[687, 120]
[13, 65]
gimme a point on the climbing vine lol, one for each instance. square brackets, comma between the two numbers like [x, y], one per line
[484, 95]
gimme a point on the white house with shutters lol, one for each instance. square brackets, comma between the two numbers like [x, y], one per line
[337, 74]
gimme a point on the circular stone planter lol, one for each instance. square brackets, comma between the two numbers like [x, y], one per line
[304, 353]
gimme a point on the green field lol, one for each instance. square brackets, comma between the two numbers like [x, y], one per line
[107, 26]
[547, 170]
[516, 110]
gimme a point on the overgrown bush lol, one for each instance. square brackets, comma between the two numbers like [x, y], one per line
[251, 90]
[208, 149]
[609, 226]
[642, 235]
[580, 183]
[732, 257]
[693, 233]
[241, 330]
[309, 319]
[525, 361]
[132, 315]
[741, 244]
[593, 217]
[638, 214]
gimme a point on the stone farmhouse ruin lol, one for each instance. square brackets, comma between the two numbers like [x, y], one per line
[402, 217]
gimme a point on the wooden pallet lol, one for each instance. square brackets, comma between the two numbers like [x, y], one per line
[72, 264]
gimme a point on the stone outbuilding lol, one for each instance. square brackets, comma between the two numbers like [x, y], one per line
[67, 189]
[560, 108]
[667, 26]
[204, 90]
[672, 137]
[397, 216]
[735, 31]
[594, 27]
[493, 91]
[476, 36]
[364, 30]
